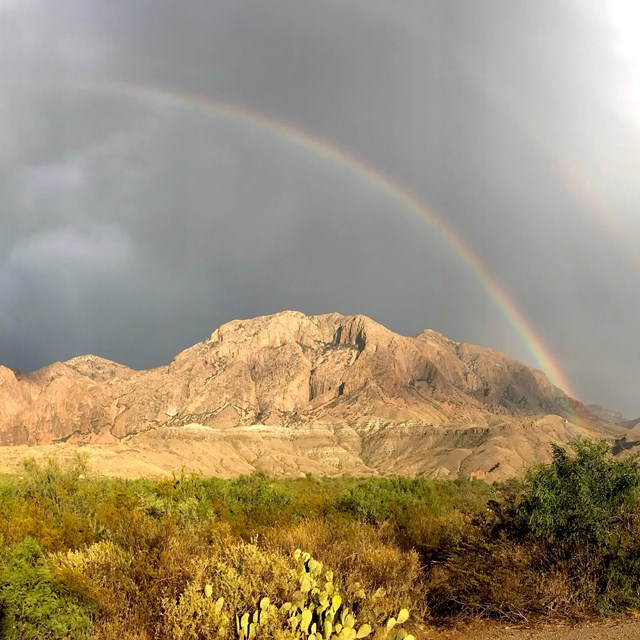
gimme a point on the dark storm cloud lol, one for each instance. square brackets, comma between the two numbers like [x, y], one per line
[132, 228]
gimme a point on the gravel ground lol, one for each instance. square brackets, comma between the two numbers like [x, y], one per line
[619, 629]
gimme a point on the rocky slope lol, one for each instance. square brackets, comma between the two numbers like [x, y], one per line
[289, 394]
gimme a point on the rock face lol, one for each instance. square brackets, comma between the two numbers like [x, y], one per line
[289, 393]
[607, 415]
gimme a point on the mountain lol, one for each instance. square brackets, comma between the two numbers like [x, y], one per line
[612, 417]
[608, 415]
[290, 394]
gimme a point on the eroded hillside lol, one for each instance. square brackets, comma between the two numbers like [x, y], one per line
[291, 394]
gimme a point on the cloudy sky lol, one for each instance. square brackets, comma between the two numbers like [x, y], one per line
[162, 172]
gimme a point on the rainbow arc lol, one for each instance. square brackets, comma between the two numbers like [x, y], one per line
[367, 174]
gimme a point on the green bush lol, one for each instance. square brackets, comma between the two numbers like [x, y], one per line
[249, 502]
[139, 558]
[565, 541]
[579, 499]
[33, 605]
[376, 500]
[310, 605]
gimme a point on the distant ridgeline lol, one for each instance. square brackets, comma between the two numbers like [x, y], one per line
[289, 394]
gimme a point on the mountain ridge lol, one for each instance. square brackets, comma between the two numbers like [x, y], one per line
[342, 387]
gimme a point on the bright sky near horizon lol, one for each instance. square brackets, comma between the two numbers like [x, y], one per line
[471, 167]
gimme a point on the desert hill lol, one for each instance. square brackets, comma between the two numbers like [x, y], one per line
[610, 416]
[289, 394]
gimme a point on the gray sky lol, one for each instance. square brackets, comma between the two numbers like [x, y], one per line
[132, 227]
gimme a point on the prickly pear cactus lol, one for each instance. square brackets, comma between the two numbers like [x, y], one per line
[317, 612]
[393, 630]
[250, 626]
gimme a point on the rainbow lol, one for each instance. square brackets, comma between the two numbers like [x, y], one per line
[583, 189]
[374, 178]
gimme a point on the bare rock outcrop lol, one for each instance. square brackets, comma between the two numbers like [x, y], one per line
[337, 393]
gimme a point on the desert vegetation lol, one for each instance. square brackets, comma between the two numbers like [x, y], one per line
[83, 556]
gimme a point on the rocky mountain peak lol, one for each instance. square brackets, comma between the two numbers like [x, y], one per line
[345, 374]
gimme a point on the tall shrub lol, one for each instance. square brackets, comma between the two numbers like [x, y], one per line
[579, 498]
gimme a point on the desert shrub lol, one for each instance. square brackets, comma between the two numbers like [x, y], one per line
[108, 573]
[487, 578]
[578, 499]
[311, 605]
[53, 503]
[195, 615]
[129, 585]
[229, 579]
[52, 480]
[184, 497]
[376, 500]
[150, 503]
[427, 516]
[120, 518]
[257, 494]
[110, 630]
[563, 541]
[315, 496]
[249, 502]
[137, 556]
[400, 499]
[583, 506]
[36, 606]
[365, 557]
[243, 574]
